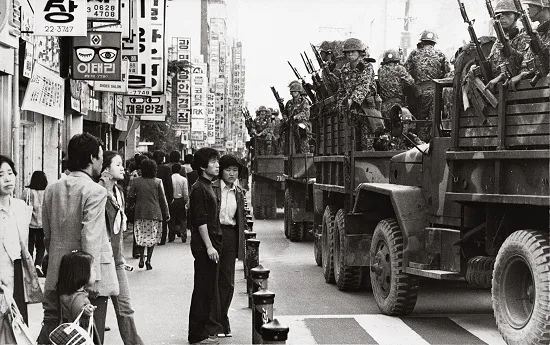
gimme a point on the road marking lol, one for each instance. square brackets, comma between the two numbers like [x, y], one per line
[389, 330]
[482, 327]
[298, 332]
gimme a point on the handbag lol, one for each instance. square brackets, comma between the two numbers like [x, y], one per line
[72, 334]
[13, 329]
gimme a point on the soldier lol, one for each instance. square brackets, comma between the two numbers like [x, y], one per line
[276, 123]
[357, 92]
[508, 17]
[393, 79]
[261, 123]
[539, 11]
[424, 64]
[297, 111]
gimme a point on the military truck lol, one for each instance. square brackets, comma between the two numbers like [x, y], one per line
[339, 240]
[472, 204]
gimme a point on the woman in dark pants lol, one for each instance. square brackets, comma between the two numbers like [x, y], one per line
[232, 222]
[206, 240]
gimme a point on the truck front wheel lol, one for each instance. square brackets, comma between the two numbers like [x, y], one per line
[521, 279]
[327, 244]
[347, 277]
[395, 291]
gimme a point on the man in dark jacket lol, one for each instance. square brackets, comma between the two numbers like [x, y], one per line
[165, 174]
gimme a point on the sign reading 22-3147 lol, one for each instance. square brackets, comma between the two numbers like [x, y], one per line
[60, 18]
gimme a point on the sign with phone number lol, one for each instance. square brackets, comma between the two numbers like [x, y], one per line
[60, 18]
[104, 10]
[145, 105]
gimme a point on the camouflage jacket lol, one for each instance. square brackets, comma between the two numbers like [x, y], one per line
[356, 83]
[544, 33]
[298, 110]
[392, 78]
[519, 42]
[427, 63]
[260, 124]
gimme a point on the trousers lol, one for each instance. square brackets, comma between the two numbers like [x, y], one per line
[124, 312]
[226, 276]
[36, 239]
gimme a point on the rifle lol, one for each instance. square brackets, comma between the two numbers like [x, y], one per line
[511, 65]
[249, 123]
[485, 65]
[541, 69]
[318, 83]
[307, 87]
[332, 86]
[280, 101]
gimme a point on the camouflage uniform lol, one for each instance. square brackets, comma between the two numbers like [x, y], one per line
[425, 64]
[544, 33]
[392, 78]
[298, 112]
[358, 85]
[261, 124]
[276, 123]
[519, 42]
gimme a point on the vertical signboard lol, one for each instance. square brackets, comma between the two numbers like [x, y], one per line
[139, 71]
[211, 118]
[183, 47]
[199, 90]
[157, 46]
[220, 111]
[103, 10]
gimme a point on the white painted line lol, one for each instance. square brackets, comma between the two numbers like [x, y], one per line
[389, 330]
[482, 327]
[298, 333]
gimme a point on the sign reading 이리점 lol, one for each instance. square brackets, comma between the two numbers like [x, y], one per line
[97, 56]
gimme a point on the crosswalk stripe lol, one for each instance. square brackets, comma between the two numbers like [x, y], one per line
[298, 332]
[389, 330]
[482, 327]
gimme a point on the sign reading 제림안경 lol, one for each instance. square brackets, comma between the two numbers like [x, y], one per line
[145, 105]
[97, 56]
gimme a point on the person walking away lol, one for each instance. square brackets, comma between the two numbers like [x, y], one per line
[151, 209]
[112, 174]
[425, 64]
[178, 211]
[15, 259]
[34, 196]
[232, 224]
[206, 241]
[73, 218]
[76, 273]
[130, 210]
[165, 174]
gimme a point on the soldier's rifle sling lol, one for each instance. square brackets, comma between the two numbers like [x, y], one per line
[511, 66]
[485, 65]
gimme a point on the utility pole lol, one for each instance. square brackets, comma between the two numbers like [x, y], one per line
[385, 25]
[406, 34]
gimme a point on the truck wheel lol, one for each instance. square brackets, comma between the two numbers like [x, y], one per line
[520, 288]
[295, 232]
[395, 292]
[307, 229]
[270, 212]
[327, 244]
[317, 250]
[347, 277]
[287, 213]
[258, 212]
[479, 272]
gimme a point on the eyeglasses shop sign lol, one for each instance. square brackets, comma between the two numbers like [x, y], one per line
[97, 56]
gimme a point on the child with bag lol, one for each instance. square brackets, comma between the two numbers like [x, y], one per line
[76, 272]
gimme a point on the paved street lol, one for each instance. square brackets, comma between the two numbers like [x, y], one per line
[316, 312]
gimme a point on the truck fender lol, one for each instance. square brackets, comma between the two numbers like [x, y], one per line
[404, 203]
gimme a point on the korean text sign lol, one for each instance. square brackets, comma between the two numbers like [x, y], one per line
[145, 105]
[97, 56]
[45, 93]
[60, 18]
[103, 10]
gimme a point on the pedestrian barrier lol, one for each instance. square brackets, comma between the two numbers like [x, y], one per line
[262, 313]
[258, 277]
[274, 333]
[247, 236]
[252, 260]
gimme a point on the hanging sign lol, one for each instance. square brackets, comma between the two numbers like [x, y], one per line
[97, 56]
[145, 105]
[60, 18]
[45, 93]
[103, 10]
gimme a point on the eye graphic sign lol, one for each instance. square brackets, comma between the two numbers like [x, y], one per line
[97, 56]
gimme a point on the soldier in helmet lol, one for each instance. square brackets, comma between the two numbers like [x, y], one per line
[539, 11]
[508, 17]
[357, 92]
[276, 124]
[393, 78]
[261, 129]
[424, 64]
[297, 112]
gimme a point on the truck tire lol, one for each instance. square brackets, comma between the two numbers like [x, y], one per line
[395, 291]
[327, 244]
[479, 271]
[258, 212]
[307, 229]
[347, 277]
[270, 212]
[521, 277]
[287, 213]
[317, 250]
[295, 233]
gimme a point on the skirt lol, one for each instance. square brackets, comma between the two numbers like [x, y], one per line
[147, 232]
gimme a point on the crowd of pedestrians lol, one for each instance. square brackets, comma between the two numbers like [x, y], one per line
[71, 232]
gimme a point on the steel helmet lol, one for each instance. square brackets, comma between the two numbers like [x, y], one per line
[325, 47]
[352, 44]
[506, 6]
[546, 3]
[428, 35]
[275, 112]
[262, 108]
[296, 86]
[533, 2]
[391, 55]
